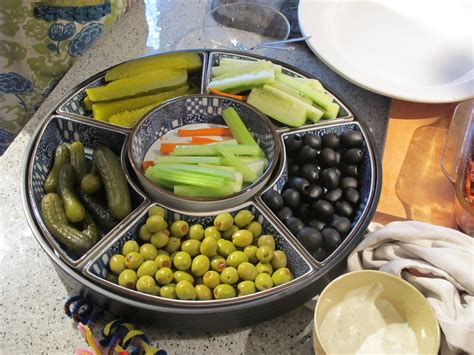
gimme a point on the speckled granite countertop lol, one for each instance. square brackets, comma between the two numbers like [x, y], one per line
[32, 295]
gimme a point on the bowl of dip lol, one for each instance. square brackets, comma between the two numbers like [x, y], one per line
[373, 312]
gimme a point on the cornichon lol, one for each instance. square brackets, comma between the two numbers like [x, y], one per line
[73, 240]
[78, 160]
[91, 182]
[99, 213]
[115, 184]
[73, 208]
[61, 157]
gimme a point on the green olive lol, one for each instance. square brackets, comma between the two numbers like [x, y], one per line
[251, 252]
[179, 228]
[242, 238]
[168, 291]
[227, 234]
[147, 284]
[212, 232]
[279, 259]
[159, 239]
[156, 223]
[144, 233]
[223, 221]
[128, 278]
[196, 231]
[255, 228]
[117, 264]
[200, 265]
[225, 247]
[191, 246]
[183, 275]
[236, 258]
[223, 291]
[173, 245]
[247, 271]
[229, 275]
[164, 275]
[162, 252]
[267, 240]
[209, 247]
[185, 290]
[218, 263]
[264, 268]
[243, 218]
[156, 210]
[129, 246]
[148, 251]
[263, 282]
[112, 277]
[133, 260]
[246, 288]
[211, 279]
[281, 276]
[264, 254]
[182, 261]
[149, 268]
[203, 292]
[163, 260]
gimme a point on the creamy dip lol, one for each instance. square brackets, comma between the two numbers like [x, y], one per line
[363, 323]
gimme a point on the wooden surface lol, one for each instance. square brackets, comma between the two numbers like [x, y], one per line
[413, 185]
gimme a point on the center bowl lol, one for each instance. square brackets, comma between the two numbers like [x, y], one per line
[196, 109]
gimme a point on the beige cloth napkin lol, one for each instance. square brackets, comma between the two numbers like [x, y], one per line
[438, 261]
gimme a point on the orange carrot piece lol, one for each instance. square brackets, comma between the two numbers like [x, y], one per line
[147, 163]
[216, 131]
[225, 94]
[202, 140]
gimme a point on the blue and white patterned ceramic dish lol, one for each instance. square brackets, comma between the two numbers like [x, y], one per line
[97, 269]
[58, 130]
[367, 173]
[192, 109]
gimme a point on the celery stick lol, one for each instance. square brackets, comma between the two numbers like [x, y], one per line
[239, 179]
[211, 149]
[256, 167]
[187, 160]
[164, 183]
[220, 167]
[210, 171]
[245, 160]
[248, 174]
[238, 128]
[196, 191]
[155, 174]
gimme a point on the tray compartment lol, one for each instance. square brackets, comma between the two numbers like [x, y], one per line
[97, 269]
[58, 130]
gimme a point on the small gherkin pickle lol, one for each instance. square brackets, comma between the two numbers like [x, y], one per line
[223, 221]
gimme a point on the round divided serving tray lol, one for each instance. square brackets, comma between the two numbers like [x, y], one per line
[70, 121]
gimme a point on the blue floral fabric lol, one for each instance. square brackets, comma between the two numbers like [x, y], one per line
[85, 38]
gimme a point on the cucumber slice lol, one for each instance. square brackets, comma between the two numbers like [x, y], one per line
[240, 68]
[278, 106]
[312, 83]
[313, 113]
[331, 112]
[291, 91]
[232, 61]
[320, 98]
[256, 78]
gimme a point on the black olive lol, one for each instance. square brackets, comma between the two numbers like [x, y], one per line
[285, 213]
[290, 161]
[319, 254]
[348, 182]
[352, 139]
[294, 224]
[351, 195]
[327, 157]
[313, 140]
[315, 192]
[331, 140]
[323, 210]
[333, 196]
[331, 238]
[293, 143]
[338, 157]
[353, 156]
[273, 200]
[337, 171]
[303, 211]
[292, 198]
[310, 238]
[350, 170]
[342, 225]
[307, 154]
[329, 178]
[293, 169]
[310, 172]
[344, 209]
[316, 224]
[300, 184]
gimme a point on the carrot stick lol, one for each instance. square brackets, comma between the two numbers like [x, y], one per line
[147, 163]
[217, 131]
[225, 94]
[202, 140]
